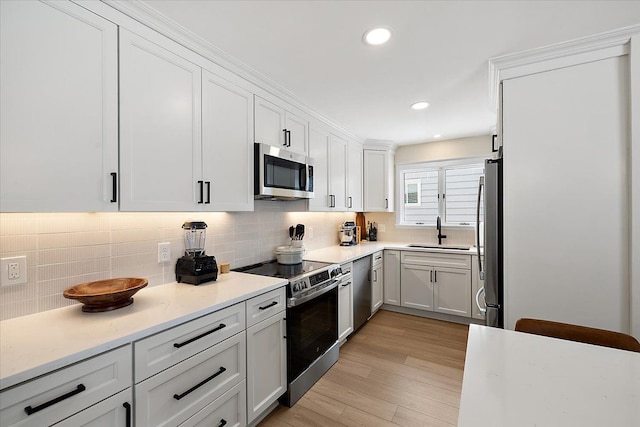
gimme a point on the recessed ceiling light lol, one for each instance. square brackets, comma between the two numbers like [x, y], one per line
[420, 105]
[377, 36]
[437, 136]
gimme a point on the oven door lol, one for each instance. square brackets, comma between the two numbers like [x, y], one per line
[312, 328]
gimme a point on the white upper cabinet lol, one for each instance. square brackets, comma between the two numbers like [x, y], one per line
[378, 181]
[319, 152]
[227, 144]
[58, 108]
[354, 177]
[160, 128]
[276, 126]
[337, 173]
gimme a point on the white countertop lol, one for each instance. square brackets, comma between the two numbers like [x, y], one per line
[36, 344]
[517, 379]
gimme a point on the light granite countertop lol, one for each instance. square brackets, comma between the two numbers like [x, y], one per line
[39, 343]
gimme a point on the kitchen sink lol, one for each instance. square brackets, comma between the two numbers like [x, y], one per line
[423, 246]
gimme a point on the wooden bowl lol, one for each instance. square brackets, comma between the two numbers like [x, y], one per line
[106, 295]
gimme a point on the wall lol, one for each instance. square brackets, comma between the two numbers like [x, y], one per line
[477, 146]
[66, 249]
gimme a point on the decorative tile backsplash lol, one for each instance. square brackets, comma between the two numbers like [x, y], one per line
[66, 249]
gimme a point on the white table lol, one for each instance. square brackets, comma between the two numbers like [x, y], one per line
[517, 379]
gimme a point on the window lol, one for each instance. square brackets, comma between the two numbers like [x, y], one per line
[446, 189]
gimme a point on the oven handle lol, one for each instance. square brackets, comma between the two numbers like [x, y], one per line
[297, 301]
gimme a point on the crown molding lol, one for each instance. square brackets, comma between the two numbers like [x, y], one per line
[585, 49]
[379, 144]
[148, 16]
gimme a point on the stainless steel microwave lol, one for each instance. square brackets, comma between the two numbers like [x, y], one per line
[281, 174]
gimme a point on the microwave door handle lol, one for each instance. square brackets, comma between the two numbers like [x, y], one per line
[480, 188]
[303, 177]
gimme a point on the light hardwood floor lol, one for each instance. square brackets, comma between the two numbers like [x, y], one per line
[398, 370]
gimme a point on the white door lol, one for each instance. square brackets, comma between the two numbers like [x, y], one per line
[58, 108]
[416, 286]
[345, 309]
[269, 123]
[391, 277]
[266, 364]
[337, 173]
[567, 195]
[160, 128]
[227, 145]
[297, 129]
[116, 411]
[377, 281]
[319, 152]
[452, 291]
[354, 177]
[376, 197]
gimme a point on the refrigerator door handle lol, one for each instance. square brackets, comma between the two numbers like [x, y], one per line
[480, 188]
[480, 291]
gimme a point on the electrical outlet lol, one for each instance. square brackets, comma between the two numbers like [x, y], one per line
[164, 252]
[14, 270]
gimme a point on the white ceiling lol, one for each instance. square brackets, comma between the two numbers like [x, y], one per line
[439, 52]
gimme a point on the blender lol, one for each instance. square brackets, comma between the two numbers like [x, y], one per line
[195, 267]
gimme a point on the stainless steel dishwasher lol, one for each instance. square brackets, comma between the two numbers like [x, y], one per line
[361, 291]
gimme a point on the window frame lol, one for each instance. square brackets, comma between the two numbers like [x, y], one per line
[441, 166]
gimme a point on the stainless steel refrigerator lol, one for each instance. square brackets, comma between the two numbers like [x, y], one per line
[490, 257]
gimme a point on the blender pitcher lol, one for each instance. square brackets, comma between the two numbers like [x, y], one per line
[195, 234]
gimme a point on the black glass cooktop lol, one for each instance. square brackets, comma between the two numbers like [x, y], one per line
[283, 271]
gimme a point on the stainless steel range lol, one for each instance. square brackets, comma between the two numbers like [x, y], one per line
[312, 320]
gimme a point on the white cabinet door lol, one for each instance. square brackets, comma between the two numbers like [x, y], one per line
[116, 411]
[298, 133]
[160, 128]
[266, 364]
[452, 291]
[416, 286]
[377, 197]
[227, 145]
[477, 296]
[337, 173]
[269, 123]
[58, 108]
[377, 281]
[345, 309]
[319, 152]
[392, 277]
[354, 177]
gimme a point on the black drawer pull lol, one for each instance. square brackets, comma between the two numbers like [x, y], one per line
[29, 410]
[114, 178]
[200, 384]
[346, 284]
[223, 423]
[268, 305]
[127, 407]
[189, 341]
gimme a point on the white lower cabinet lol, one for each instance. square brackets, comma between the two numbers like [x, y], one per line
[377, 281]
[345, 304]
[55, 396]
[391, 277]
[436, 282]
[229, 410]
[174, 395]
[116, 411]
[266, 364]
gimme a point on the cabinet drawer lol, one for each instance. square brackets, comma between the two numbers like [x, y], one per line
[346, 268]
[228, 410]
[158, 352]
[436, 260]
[116, 411]
[176, 394]
[265, 305]
[62, 393]
[376, 258]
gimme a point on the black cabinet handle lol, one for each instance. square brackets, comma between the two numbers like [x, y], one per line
[346, 284]
[435, 276]
[268, 306]
[127, 407]
[386, 203]
[285, 137]
[189, 341]
[223, 423]
[201, 184]
[29, 410]
[208, 184]
[200, 384]
[350, 202]
[431, 276]
[288, 138]
[114, 179]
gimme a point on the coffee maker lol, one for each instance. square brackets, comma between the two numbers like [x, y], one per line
[195, 267]
[347, 233]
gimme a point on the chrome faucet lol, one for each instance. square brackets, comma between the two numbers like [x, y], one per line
[440, 235]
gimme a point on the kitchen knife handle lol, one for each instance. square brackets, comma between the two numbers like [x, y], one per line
[114, 179]
[29, 410]
[189, 341]
[127, 407]
[200, 384]
[208, 184]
